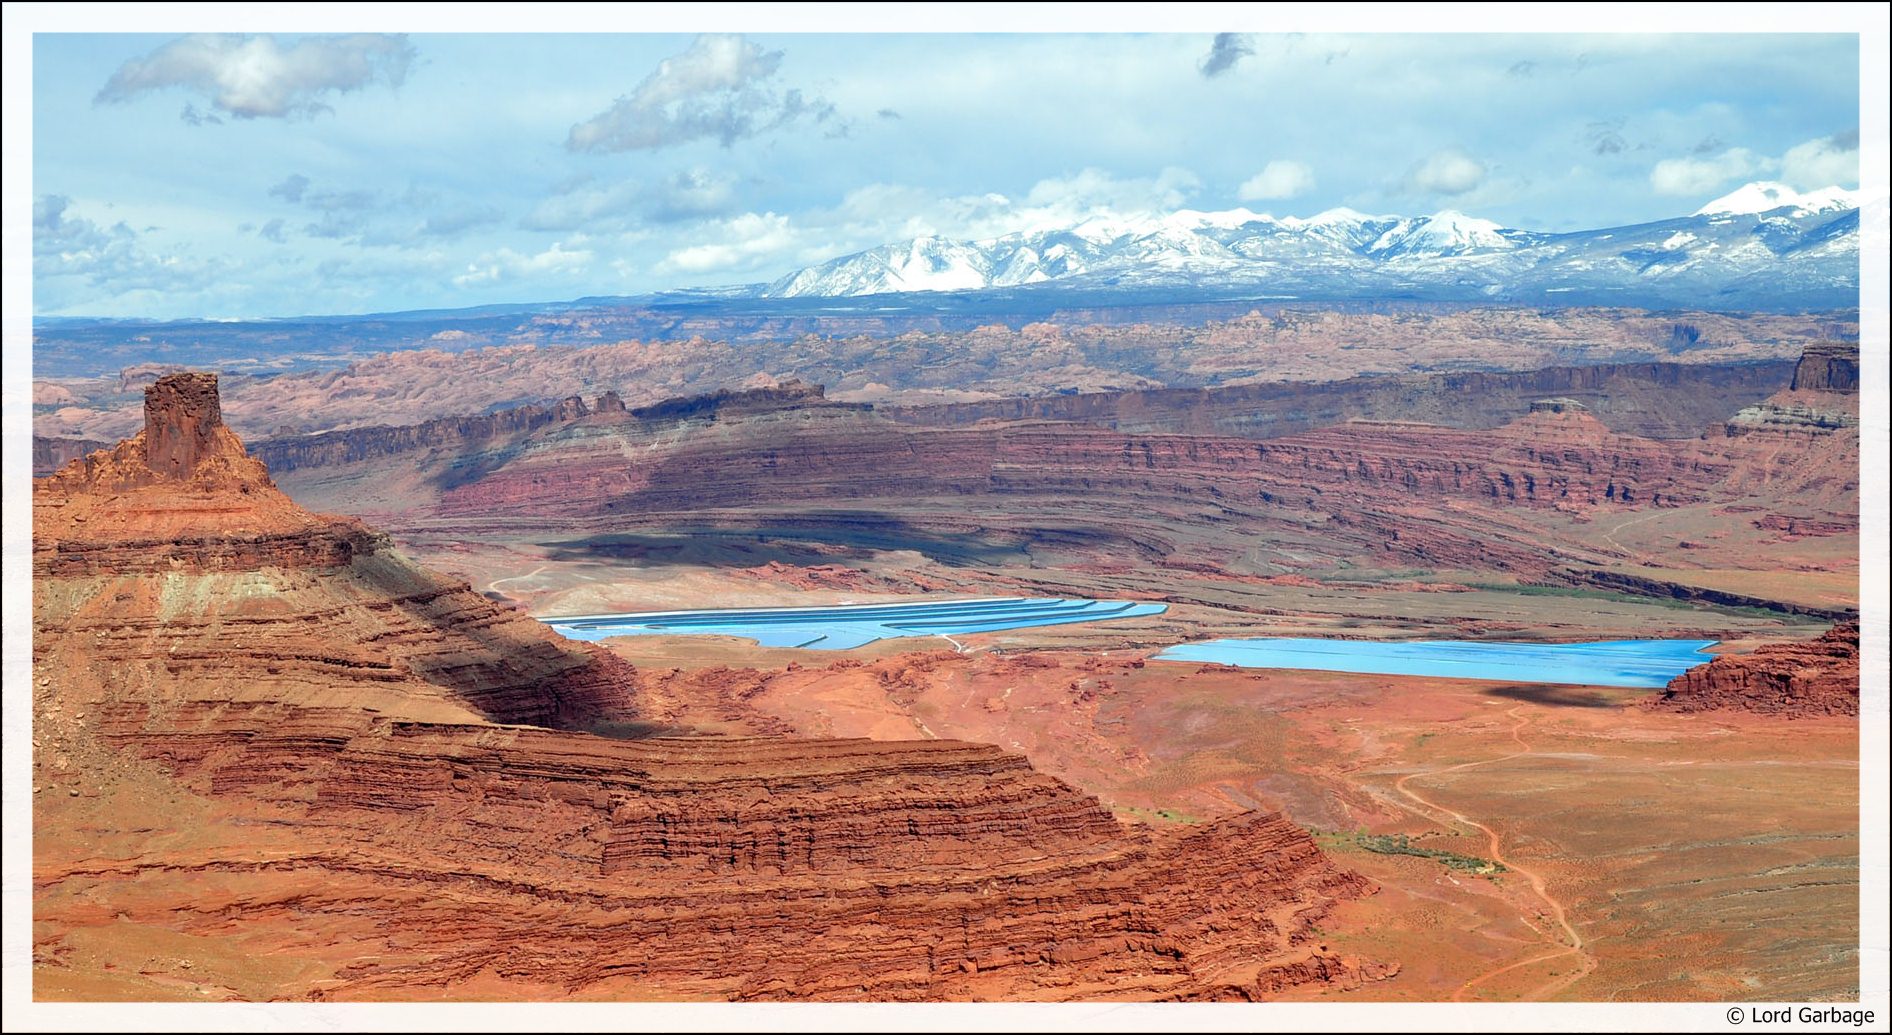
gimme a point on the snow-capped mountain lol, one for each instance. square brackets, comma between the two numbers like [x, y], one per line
[1764, 241]
[1767, 196]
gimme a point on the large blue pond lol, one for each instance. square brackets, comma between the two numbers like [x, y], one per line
[1638, 663]
[852, 625]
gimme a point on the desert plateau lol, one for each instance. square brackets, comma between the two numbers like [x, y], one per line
[932, 559]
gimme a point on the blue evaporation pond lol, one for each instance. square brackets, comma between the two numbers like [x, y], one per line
[1637, 663]
[852, 625]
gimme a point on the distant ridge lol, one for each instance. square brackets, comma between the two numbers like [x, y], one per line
[1764, 242]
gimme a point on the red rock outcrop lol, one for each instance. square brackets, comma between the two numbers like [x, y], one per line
[1801, 445]
[1447, 497]
[1793, 680]
[176, 556]
[1828, 367]
[317, 752]
[749, 869]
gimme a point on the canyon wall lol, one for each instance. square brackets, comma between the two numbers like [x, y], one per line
[1828, 367]
[1389, 489]
[1656, 400]
[1566, 460]
[295, 739]
[449, 434]
[1651, 400]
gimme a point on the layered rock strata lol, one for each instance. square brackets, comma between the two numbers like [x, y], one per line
[341, 758]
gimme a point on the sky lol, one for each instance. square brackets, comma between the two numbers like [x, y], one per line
[230, 176]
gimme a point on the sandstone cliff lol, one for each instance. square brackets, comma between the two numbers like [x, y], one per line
[294, 741]
[1818, 677]
[1831, 366]
[1652, 400]
[1470, 498]
[1657, 400]
[1379, 487]
[448, 435]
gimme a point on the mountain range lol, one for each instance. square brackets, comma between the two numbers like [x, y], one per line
[1763, 245]
[1763, 248]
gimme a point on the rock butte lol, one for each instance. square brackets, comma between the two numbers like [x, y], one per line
[292, 737]
[1818, 677]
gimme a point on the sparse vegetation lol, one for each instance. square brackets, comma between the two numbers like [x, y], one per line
[1612, 596]
[1401, 844]
[1166, 815]
[1537, 590]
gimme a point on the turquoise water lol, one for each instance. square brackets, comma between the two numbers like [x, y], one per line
[852, 625]
[1637, 663]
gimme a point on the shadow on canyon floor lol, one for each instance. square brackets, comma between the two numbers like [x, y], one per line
[1554, 696]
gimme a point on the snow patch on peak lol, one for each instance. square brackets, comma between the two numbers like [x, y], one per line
[1341, 216]
[1190, 219]
[1766, 196]
[1809, 251]
[1446, 232]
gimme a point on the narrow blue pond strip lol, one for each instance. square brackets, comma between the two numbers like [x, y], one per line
[1632, 663]
[852, 625]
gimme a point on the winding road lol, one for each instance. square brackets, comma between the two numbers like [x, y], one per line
[1572, 943]
[493, 586]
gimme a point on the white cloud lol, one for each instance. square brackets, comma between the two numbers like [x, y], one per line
[1280, 178]
[1450, 171]
[748, 239]
[70, 250]
[255, 77]
[1827, 162]
[1822, 162]
[879, 213]
[717, 88]
[506, 264]
[1689, 176]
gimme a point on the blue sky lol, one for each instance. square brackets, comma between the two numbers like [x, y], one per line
[266, 175]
